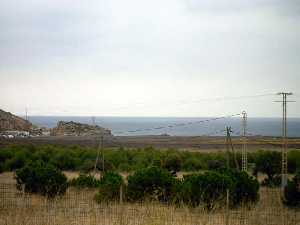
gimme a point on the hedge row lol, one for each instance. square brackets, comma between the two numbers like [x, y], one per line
[82, 159]
[207, 189]
[149, 184]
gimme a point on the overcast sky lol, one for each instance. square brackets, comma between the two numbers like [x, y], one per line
[148, 58]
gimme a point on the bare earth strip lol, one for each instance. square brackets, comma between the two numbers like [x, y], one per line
[194, 143]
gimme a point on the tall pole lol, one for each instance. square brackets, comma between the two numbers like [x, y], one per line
[244, 151]
[100, 147]
[227, 148]
[284, 161]
[103, 169]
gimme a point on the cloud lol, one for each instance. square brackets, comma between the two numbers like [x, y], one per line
[145, 50]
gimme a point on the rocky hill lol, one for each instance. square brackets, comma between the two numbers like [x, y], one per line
[10, 122]
[77, 129]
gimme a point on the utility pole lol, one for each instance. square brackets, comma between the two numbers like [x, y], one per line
[103, 169]
[244, 151]
[228, 130]
[93, 121]
[26, 114]
[100, 147]
[284, 162]
[229, 144]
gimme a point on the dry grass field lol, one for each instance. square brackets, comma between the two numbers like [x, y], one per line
[78, 207]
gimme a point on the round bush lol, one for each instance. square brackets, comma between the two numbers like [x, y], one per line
[268, 162]
[84, 181]
[215, 164]
[292, 192]
[208, 189]
[274, 182]
[109, 187]
[41, 178]
[172, 163]
[151, 183]
[246, 188]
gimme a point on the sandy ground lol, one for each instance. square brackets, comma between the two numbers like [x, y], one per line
[193, 143]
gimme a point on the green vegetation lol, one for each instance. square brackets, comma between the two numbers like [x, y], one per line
[269, 163]
[151, 173]
[109, 187]
[82, 159]
[292, 192]
[41, 178]
[208, 189]
[151, 183]
[84, 181]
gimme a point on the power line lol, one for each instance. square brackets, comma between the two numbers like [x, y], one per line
[170, 126]
[176, 102]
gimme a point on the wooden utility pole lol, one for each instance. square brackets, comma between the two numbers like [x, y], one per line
[103, 168]
[229, 145]
[100, 147]
[228, 129]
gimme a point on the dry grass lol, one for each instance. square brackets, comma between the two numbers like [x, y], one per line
[78, 207]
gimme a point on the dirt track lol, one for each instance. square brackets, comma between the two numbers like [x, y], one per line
[178, 142]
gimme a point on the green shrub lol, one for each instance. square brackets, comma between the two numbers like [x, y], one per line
[293, 161]
[173, 163]
[41, 178]
[268, 162]
[84, 181]
[87, 166]
[215, 164]
[17, 161]
[109, 187]
[192, 164]
[151, 183]
[274, 182]
[292, 192]
[208, 189]
[64, 160]
[246, 188]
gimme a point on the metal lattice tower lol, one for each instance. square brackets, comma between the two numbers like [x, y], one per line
[244, 151]
[284, 161]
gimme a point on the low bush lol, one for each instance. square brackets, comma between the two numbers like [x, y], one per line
[109, 187]
[246, 188]
[151, 183]
[292, 192]
[208, 189]
[274, 182]
[41, 178]
[215, 164]
[268, 162]
[84, 181]
[173, 163]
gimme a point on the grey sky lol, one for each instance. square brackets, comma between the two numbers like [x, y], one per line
[145, 58]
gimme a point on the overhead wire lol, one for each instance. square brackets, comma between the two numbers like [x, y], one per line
[170, 126]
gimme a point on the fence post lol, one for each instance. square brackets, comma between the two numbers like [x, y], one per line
[121, 194]
[227, 208]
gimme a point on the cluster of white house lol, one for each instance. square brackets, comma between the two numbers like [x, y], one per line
[9, 134]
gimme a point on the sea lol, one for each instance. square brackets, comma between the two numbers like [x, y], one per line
[178, 126]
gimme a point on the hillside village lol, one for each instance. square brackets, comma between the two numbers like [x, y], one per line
[12, 126]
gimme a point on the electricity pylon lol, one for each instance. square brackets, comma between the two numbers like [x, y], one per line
[284, 161]
[244, 151]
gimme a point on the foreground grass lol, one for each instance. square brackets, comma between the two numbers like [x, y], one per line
[79, 207]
